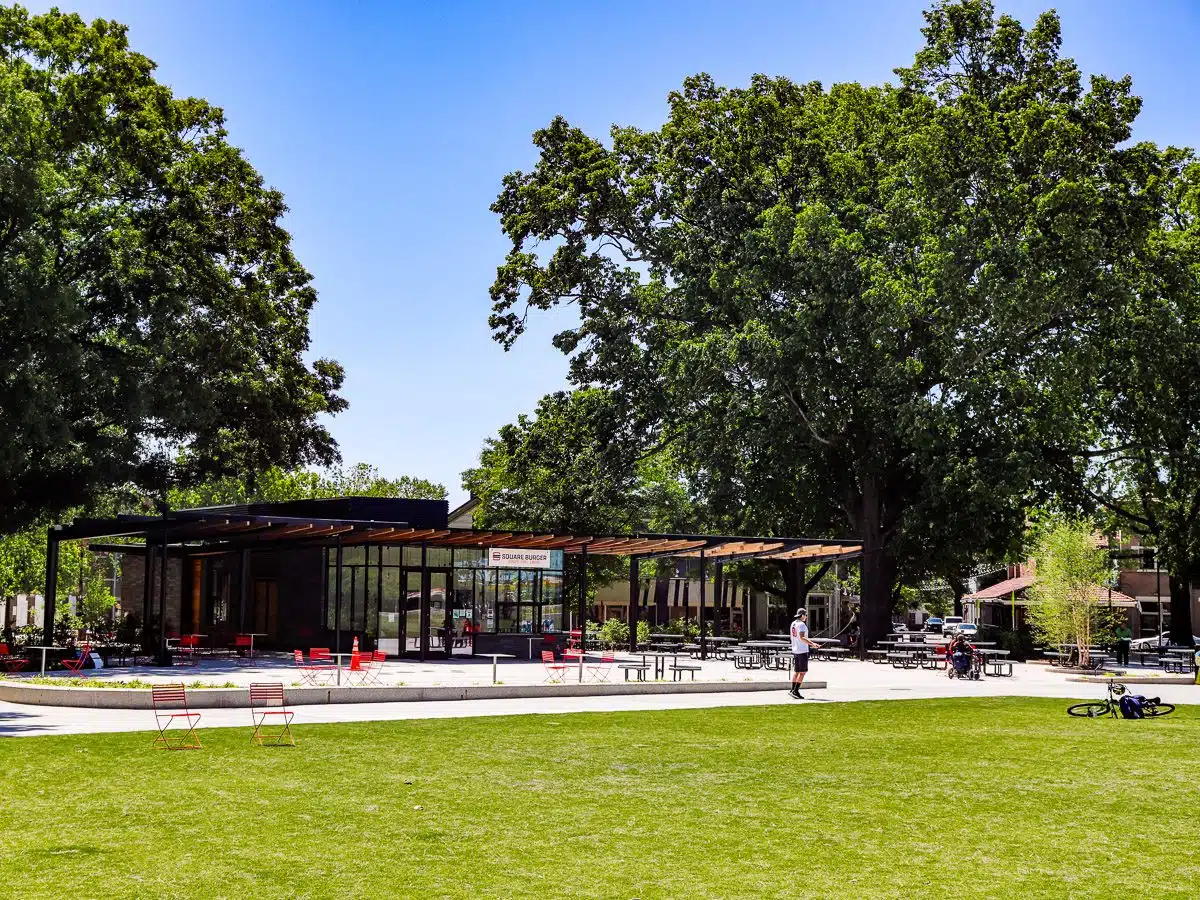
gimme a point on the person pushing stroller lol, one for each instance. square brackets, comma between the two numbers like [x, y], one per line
[961, 656]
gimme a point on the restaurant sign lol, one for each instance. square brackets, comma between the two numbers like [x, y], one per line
[518, 559]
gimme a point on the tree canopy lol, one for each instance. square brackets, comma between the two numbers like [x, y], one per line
[851, 308]
[150, 301]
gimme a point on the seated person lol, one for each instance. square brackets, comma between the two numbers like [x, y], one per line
[960, 652]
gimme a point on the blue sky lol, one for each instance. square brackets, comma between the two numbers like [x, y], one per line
[388, 127]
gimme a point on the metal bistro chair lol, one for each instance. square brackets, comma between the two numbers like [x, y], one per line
[313, 673]
[556, 672]
[266, 700]
[599, 671]
[170, 708]
[75, 666]
[9, 662]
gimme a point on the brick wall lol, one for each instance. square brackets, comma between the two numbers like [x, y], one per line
[132, 581]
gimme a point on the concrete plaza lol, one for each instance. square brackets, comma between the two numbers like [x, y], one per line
[848, 681]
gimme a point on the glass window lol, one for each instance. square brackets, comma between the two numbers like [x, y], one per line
[437, 557]
[412, 556]
[507, 600]
[391, 556]
[552, 589]
[469, 559]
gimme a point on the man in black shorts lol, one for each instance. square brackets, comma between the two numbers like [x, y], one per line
[800, 647]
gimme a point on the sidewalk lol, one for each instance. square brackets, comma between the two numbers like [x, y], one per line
[849, 681]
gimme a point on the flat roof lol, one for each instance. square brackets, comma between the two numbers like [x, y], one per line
[218, 530]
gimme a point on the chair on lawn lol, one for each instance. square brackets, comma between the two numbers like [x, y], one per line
[601, 670]
[170, 708]
[313, 672]
[9, 662]
[75, 666]
[267, 701]
[556, 672]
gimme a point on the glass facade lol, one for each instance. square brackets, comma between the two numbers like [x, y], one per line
[413, 600]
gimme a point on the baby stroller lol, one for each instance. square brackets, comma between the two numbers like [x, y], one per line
[962, 665]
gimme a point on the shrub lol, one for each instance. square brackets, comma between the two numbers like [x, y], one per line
[614, 633]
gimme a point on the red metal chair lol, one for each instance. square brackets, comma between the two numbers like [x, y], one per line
[601, 670]
[373, 666]
[312, 672]
[9, 662]
[75, 666]
[170, 708]
[266, 700]
[360, 668]
[556, 672]
[320, 654]
[243, 645]
[189, 646]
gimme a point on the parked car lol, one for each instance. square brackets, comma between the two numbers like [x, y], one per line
[951, 623]
[967, 629]
[934, 624]
[1156, 642]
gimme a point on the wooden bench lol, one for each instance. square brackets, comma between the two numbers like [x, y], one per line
[834, 653]
[744, 659]
[640, 668]
[879, 657]
[902, 660]
[678, 670]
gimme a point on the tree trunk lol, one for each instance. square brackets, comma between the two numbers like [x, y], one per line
[878, 582]
[1181, 608]
[877, 566]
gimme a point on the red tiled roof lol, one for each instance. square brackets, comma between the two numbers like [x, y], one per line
[1004, 589]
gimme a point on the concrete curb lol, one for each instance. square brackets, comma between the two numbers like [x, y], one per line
[233, 698]
[1130, 679]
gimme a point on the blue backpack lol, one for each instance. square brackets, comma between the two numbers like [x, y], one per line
[1131, 707]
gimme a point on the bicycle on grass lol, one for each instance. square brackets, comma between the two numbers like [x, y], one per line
[1152, 707]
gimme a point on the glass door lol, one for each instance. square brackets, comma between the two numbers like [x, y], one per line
[412, 609]
[440, 638]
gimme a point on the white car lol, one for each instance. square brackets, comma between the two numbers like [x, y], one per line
[1156, 642]
[950, 624]
[967, 629]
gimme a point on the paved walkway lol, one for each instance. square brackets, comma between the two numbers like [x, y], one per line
[848, 681]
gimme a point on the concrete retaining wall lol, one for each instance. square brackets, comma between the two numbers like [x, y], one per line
[227, 698]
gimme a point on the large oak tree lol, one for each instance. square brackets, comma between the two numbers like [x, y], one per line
[151, 308]
[850, 308]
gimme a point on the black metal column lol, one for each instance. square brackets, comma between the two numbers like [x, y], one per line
[147, 593]
[583, 579]
[51, 594]
[633, 603]
[244, 590]
[718, 598]
[703, 637]
[162, 596]
[337, 596]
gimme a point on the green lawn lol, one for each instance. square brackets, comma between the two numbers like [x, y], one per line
[970, 798]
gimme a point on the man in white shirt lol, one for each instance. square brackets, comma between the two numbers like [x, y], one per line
[800, 647]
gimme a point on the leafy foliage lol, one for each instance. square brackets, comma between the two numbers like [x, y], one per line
[854, 307]
[150, 300]
[1063, 607]
[276, 484]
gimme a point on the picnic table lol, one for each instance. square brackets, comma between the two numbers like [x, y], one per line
[660, 660]
[1183, 659]
[995, 659]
